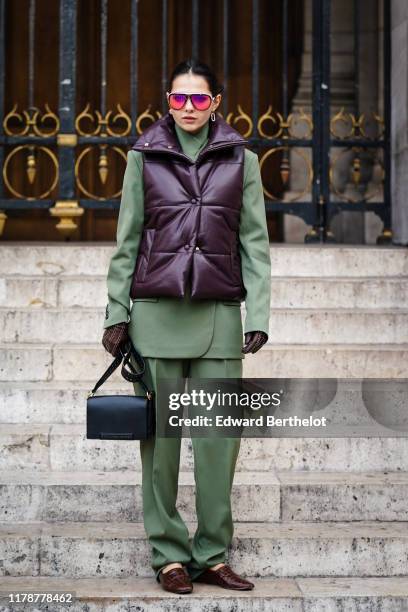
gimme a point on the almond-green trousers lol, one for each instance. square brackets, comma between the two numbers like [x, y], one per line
[214, 466]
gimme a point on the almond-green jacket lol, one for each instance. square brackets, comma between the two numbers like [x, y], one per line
[181, 327]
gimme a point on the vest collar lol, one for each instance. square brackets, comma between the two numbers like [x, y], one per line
[161, 137]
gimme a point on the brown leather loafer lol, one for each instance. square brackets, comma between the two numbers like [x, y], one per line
[176, 580]
[225, 578]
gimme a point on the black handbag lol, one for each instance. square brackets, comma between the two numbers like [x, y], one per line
[122, 417]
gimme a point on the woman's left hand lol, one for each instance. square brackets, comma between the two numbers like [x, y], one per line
[254, 340]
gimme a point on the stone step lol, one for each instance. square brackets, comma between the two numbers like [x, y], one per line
[45, 447]
[53, 401]
[53, 291]
[25, 363]
[352, 408]
[338, 260]
[27, 495]
[330, 360]
[65, 363]
[112, 496]
[92, 259]
[105, 549]
[351, 402]
[295, 326]
[306, 292]
[321, 594]
[329, 293]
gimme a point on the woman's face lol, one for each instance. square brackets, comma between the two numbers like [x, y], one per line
[189, 118]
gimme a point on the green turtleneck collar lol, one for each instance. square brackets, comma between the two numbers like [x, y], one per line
[192, 144]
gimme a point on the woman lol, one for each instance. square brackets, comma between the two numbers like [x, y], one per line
[192, 243]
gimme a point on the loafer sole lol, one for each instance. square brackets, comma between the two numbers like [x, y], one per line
[178, 591]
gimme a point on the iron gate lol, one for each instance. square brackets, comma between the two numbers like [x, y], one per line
[343, 137]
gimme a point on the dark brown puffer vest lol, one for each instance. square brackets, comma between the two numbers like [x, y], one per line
[192, 213]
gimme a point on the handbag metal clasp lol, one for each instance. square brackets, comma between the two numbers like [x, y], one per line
[90, 394]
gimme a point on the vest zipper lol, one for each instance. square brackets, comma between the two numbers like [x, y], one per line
[183, 156]
[215, 148]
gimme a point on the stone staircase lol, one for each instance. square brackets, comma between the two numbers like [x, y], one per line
[321, 523]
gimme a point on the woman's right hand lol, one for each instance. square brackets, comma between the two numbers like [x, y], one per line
[114, 337]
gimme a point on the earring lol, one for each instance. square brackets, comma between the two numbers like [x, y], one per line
[212, 116]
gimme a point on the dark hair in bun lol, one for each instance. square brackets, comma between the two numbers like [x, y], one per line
[199, 68]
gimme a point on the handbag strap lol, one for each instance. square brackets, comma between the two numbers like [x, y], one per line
[132, 376]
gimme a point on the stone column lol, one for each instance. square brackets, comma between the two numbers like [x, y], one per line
[399, 121]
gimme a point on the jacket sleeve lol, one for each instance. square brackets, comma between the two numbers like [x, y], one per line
[128, 235]
[254, 249]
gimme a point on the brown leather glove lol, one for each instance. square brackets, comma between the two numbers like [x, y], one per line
[254, 340]
[114, 337]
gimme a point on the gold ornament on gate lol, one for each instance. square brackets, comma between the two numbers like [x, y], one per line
[242, 116]
[32, 121]
[146, 115]
[31, 170]
[102, 124]
[344, 125]
[285, 128]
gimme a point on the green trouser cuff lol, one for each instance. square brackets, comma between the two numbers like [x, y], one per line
[194, 573]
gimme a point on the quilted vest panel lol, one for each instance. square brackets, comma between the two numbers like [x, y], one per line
[192, 214]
